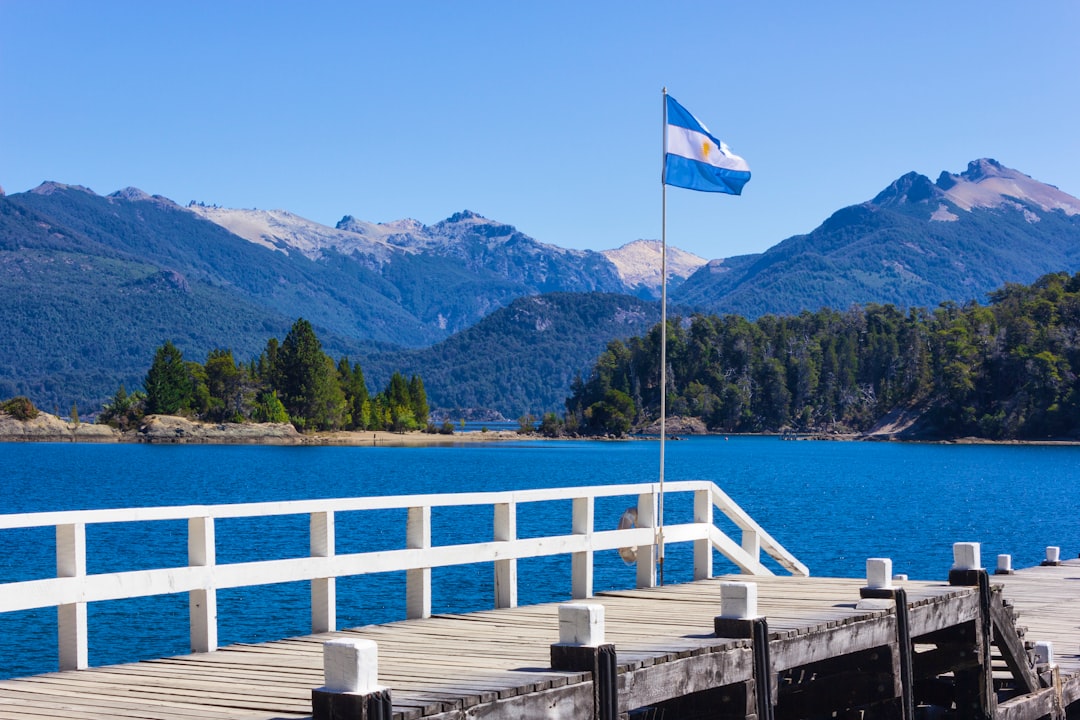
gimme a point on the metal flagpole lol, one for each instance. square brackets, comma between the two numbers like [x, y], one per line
[663, 341]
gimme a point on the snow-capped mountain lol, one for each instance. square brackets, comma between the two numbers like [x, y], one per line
[639, 262]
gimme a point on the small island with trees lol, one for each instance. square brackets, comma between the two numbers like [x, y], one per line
[293, 387]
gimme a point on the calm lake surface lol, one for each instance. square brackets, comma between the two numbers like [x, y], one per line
[832, 504]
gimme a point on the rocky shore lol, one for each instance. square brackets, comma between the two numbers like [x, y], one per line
[170, 429]
[49, 428]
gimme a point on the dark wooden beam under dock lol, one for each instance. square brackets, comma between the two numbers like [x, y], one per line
[954, 650]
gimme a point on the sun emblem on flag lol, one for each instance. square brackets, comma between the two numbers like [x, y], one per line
[706, 148]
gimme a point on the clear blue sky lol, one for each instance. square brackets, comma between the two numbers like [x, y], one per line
[545, 115]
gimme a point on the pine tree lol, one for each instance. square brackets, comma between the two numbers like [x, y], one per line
[307, 380]
[168, 383]
[223, 381]
[418, 396]
[356, 394]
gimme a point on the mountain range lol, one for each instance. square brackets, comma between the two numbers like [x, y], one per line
[91, 284]
[917, 243]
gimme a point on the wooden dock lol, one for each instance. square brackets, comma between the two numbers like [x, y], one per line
[953, 650]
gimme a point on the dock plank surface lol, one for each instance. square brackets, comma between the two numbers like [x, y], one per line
[448, 665]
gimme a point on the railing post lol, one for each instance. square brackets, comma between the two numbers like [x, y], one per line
[703, 513]
[71, 618]
[751, 543]
[202, 603]
[581, 563]
[323, 590]
[646, 554]
[418, 581]
[505, 570]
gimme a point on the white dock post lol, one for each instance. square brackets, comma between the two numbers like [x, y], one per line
[1044, 653]
[1004, 565]
[739, 618]
[967, 564]
[202, 603]
[967, 556]
[581, 624]
[418, 581]
[506, 570]
[71, 618]
[581, 563]
[323, 590]
[351, 674]
[581, 647]
[879, 577]
[738, 600]
[1053, 555]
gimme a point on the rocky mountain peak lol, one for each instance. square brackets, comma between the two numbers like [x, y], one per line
[130, 193]
[988, 184]
[985, 168]
[909, 188]
[348, 222]
[49, 187]
[463, 216]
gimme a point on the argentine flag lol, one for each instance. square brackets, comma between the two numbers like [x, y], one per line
[694, 159]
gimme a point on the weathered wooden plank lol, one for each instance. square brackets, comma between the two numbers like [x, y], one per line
[684, 676]
[947, 612]
[571, 702]
[861, 635]
[1011, 648]
[1031, 706]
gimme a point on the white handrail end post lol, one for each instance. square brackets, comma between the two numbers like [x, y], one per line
[703, 513]
[581, 563]
[751, 543]
[418, 580]
[72, 636]
[202, 602]
[72, 640]
[324, 589]
[506, 590]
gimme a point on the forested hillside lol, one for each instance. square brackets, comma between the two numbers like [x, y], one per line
[1003, 370]
[520, 359]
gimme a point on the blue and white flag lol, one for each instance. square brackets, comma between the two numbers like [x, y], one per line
[696, 160]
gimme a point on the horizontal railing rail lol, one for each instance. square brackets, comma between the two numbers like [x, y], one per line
[203, 576]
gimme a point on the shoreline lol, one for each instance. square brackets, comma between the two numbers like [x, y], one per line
[174, 430]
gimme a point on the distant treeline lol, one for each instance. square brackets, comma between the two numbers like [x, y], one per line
[291, 381]
[1001, 371]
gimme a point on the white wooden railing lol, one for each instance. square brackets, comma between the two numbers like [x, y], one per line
[73, 588]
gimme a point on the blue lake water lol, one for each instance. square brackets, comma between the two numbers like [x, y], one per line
[832, 504]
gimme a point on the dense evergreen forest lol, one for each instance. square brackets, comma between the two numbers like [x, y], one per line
[291, 381]
[999, 371]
